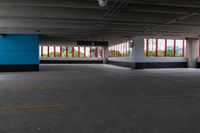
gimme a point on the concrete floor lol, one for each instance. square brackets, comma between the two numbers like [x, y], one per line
[100, 99]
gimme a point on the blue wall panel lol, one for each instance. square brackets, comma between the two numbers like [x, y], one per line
[19, 49]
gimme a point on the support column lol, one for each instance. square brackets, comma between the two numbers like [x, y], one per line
[138, 52]
[105, 54]
[192, 52]
[19, 53]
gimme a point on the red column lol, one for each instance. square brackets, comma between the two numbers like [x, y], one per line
[96, 52]
[183, 49]
[66, 51]
[115, 47]
[84, 52]
[147, 47]
[174, 47]
[90, 52]
[54, 51]
[102, 52]
[102, 49]
[117, 50]
[165, 47]
[116, 54]
[42, 51]
[60, 51]
[122, 49]
[72, 52]
[113, 51]
[126, 49]
[48, 51]
[79, 52]
[199, 47]
[156, 46]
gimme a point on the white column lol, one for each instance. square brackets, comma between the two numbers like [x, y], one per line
[192, 52]
[105, 54]
[138, 52]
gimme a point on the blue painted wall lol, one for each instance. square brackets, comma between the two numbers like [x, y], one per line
[19, 49]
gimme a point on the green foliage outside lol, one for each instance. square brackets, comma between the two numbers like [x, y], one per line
[170, 53]
[91, 54]
[161, 53]
[152, 53]
[45, 55]
[179, 55]
[114, 53]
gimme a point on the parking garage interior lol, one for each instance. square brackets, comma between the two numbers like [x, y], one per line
[99, 66]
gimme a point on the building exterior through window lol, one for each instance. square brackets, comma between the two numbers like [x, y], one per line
[70, 52]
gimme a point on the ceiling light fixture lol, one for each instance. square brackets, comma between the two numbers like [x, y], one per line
[103, 3]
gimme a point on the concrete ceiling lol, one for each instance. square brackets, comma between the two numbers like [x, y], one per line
[74, 20]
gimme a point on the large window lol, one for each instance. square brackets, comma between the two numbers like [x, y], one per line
[152, 47]
[100, 52]
[164, 47]
[120, 50]
[44, 51]
[161, 47]
[170, 48]
[51, 51]
[58, 51]
[82, 52]
[93, 51]
[146, 47]
[70, 52]
[87, 52]
[179, 48]
[64, 51]
[76, 52]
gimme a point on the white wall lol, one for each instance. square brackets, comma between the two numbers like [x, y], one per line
[138, 55]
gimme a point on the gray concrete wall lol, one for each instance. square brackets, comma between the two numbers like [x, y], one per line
[105, 54]
[138, 50]
[192, 52]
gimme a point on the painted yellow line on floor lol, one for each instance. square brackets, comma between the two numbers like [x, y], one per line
[31, 106]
